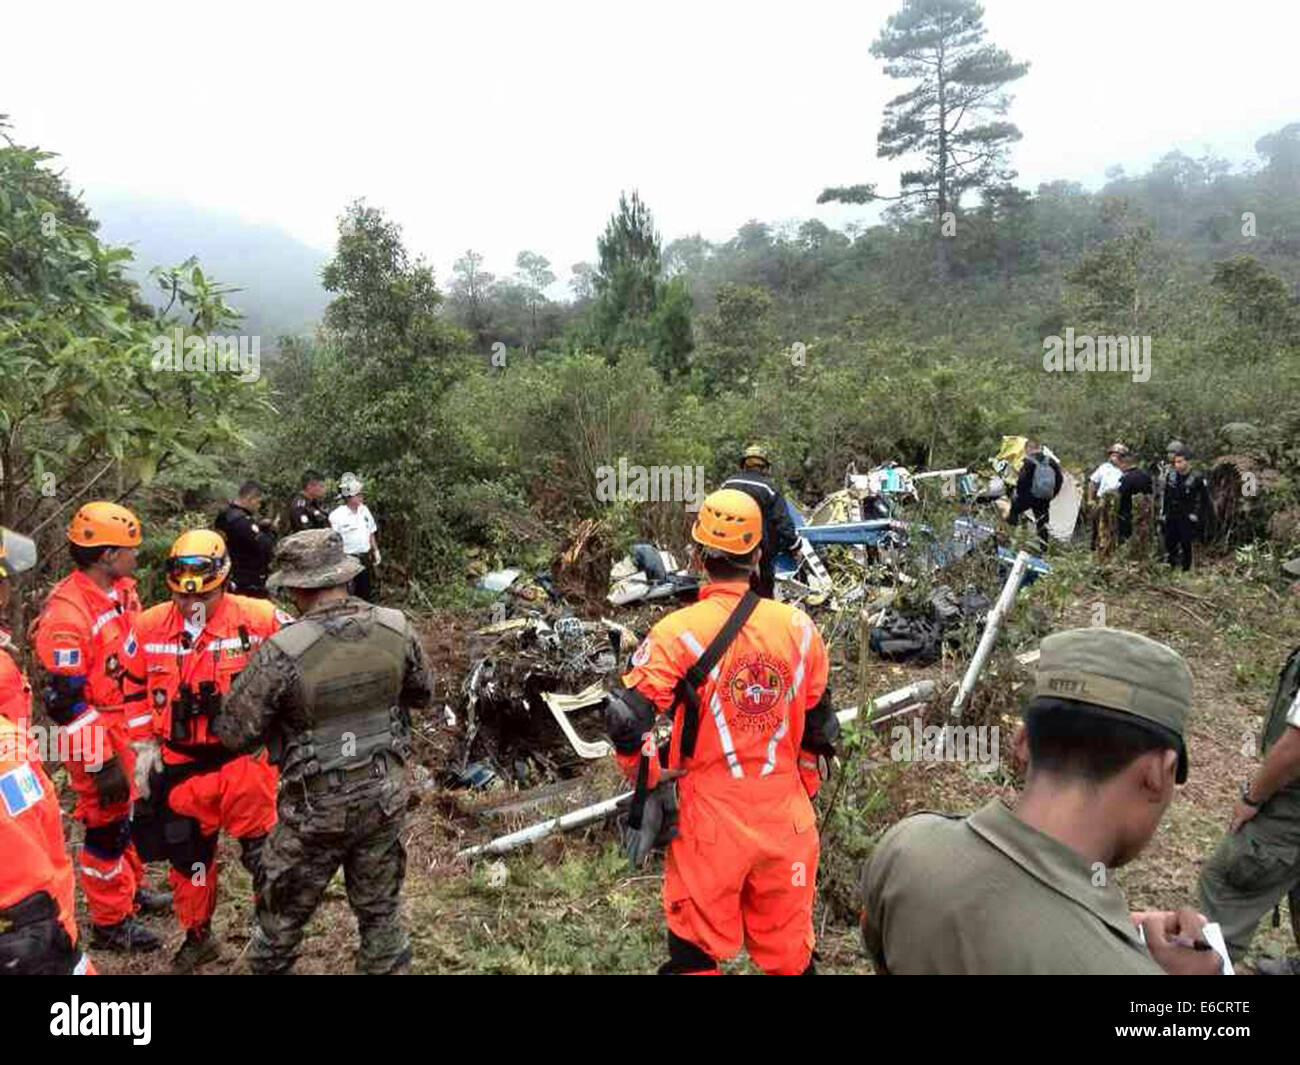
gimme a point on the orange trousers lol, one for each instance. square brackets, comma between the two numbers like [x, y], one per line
[237, 798]
[111, 871]
[743, 869]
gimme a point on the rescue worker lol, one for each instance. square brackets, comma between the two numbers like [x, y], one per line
[353, 521]
[194, 647]
[747, 738]
[1258, 860]
[38, 924]
[331, 696]
[779, 536]
[1031, 889]
[94, 674]
[1185, 507]
[249, 540]
[305, 512]
[1027, 498]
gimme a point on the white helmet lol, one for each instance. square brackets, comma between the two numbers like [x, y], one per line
[349, 485]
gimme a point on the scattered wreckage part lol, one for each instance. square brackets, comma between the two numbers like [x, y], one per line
[821, 579]
[1029, 658]
[561, 706]
[922, 691]
[449, 715]
[499, 580]
[504, 626]
[476, 775]
[991, 627]
[958, 472]
[874, 532]
[1063, 512]
[596, 812]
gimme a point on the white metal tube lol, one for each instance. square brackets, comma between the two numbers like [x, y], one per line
[991, 627]
[920, 692]
[575, 819]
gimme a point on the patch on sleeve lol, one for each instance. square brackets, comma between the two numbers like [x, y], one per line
[131, 646]
[67, 657]
[642, 654]
[20, 789]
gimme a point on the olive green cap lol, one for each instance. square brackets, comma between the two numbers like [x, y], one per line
[1118, 670]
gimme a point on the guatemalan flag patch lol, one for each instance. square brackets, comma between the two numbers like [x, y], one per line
[20, 789]
[70, 656]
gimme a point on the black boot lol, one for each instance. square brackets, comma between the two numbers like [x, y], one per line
[128, 935]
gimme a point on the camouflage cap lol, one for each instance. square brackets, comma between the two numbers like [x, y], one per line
[1118, 670]
[312, 559]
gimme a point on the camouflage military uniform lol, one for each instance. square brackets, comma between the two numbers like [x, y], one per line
[329, 696]
[1252, 869]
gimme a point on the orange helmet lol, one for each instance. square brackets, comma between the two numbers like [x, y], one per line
[104, 525]
[198, 562]
[729, 521]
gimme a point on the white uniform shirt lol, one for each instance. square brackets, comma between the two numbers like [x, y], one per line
[1106, 477]
[355, 526]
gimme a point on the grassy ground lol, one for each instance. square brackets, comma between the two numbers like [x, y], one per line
[570, 904]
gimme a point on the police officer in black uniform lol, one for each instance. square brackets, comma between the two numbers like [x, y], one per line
[249, 539]
[778, 529]
[1186, 509]
[306, 512]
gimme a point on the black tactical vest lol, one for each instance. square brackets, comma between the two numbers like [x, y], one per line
[350, 667]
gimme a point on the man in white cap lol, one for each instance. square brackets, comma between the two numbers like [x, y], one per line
[353, 521]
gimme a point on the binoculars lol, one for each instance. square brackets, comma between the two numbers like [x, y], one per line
[189, 704]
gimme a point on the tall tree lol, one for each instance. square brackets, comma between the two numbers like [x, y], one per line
[627, 271]
[471, 295]
[534, 273]
[952, 114]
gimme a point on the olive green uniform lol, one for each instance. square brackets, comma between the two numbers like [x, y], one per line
[989, 894]
[1252, 869]
[329, 696]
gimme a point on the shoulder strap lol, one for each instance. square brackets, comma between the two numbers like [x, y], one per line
[688, 687]
[295, 639]
[391, 619]
[686, 696]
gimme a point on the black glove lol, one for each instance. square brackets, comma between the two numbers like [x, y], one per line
[658, 825]
[821, 728]
[111, 784]
[32, 941]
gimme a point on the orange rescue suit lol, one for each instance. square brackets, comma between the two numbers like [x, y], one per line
[743, 867]
[237, 794]
[86, 635]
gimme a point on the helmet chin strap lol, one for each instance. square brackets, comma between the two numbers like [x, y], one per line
[699, 555]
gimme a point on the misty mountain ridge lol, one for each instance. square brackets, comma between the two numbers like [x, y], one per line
[278, 275]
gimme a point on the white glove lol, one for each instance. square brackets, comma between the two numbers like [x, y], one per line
[148, 758]
[378, 557]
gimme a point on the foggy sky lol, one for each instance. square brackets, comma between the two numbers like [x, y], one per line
[503, 126]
